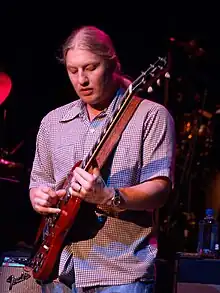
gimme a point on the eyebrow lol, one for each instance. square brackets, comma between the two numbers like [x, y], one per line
[70, 66]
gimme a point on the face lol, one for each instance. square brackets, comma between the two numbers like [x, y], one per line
[89, 75]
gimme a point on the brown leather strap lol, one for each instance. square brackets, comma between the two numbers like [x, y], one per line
[109, 145]
[115, 134]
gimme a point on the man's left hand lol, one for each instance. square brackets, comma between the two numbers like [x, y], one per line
[90, 187]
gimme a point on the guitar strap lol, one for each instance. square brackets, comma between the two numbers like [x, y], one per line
[111, 142]
[116, 132]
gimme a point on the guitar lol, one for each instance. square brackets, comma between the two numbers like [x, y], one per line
[53, 229]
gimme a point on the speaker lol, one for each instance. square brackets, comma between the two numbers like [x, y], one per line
[194, 274]
[15, 277]
[197, 288]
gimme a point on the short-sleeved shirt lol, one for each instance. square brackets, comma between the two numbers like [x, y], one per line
[123, 249]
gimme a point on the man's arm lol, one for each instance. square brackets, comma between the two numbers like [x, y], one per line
[149, 195]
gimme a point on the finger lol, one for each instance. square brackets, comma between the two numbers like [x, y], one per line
[46, 210]
[86, 181]
[79, 172]
[47, 192]
[54, 196]
[43, 196]
[80, 182]
[76, 187]
[41, 202]
[45, 189]
[60, 193]
[75, 193]
[52, 193]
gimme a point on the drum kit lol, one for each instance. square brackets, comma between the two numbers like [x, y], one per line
[190, 94]
[195, 132]
[10, 171]
[192, 100]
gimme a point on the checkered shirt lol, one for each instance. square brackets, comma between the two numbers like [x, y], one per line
[122, 251]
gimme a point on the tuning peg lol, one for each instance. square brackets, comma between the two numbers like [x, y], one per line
[158, 82]
[167, 75]
[150, 89]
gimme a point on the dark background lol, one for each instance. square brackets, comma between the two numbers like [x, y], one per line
[31, 34]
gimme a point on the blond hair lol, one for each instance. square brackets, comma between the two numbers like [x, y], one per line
[99, 43]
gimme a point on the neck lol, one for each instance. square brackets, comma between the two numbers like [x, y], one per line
[95, 110]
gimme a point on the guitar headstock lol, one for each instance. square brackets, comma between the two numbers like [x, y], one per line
[153, 74]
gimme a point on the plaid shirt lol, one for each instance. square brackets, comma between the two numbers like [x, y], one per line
[122, 251]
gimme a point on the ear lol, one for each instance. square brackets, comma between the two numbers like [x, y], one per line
[111, 66]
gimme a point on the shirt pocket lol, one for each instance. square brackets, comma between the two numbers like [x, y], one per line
[64, 158]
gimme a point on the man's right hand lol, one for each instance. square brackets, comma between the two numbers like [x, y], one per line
[44, 199]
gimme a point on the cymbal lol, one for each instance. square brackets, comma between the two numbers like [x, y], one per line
[10, 171]
[11, 180]
[10, 164]
[205, 114]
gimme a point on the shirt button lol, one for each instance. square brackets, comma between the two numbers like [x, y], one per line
[92, 130]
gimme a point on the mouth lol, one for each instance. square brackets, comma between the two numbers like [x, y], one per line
[86, 92]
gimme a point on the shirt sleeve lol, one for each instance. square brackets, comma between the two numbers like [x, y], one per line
[42, 169]
[159, 158]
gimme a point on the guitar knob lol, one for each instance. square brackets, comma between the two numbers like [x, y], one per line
[46, 247]
[167, 75]
[150, 89]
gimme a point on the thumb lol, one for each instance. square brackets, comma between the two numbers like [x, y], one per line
[60, 192]
[96, 172]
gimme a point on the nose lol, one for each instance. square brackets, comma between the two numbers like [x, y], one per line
[83, 78]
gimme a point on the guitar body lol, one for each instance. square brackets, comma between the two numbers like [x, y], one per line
[50, 243]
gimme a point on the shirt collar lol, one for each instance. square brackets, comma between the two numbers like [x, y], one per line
[79, 106]
[73, 111]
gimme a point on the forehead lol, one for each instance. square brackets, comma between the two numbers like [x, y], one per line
[78, 57]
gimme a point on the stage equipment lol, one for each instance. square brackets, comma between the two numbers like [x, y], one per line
[194, 274]
[15, 277]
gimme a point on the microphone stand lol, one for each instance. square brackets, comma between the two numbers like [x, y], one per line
[3, 150]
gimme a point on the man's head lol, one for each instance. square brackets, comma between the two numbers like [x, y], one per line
[92, 63]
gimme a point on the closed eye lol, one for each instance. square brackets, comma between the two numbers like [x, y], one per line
[73, 70]
[91, 67]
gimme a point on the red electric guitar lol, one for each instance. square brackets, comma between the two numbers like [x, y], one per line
[54, 228]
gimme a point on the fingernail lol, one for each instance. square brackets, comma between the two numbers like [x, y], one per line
[64, 213]
[71, 190]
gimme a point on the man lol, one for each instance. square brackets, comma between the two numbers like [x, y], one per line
[120, 257]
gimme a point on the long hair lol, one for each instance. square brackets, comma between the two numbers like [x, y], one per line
[99, 43]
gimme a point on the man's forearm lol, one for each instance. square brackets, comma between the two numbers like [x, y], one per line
[145, 196]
